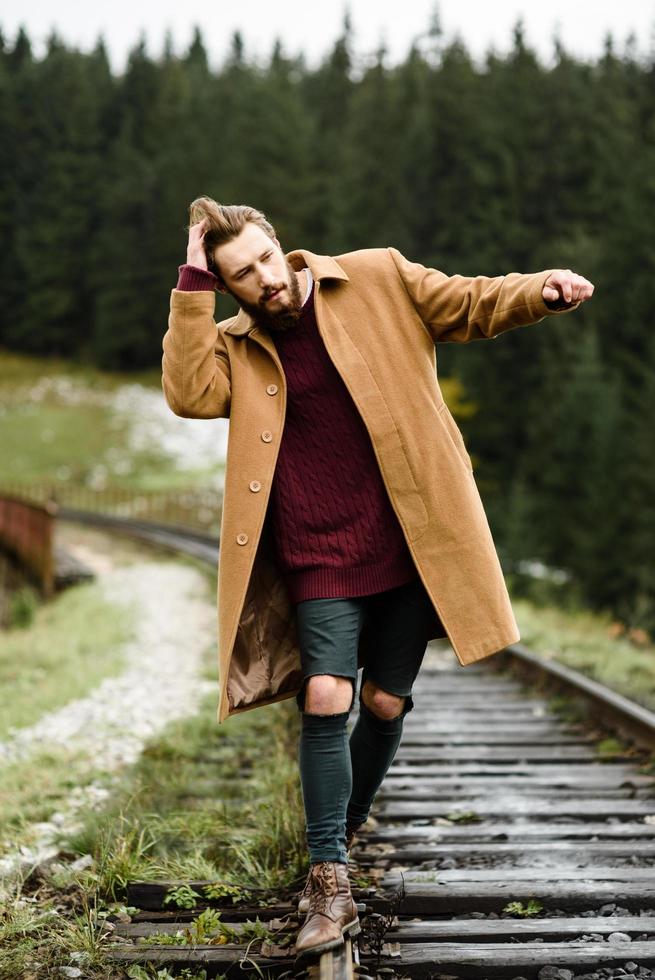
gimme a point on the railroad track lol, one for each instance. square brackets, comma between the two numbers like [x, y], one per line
[507, 841]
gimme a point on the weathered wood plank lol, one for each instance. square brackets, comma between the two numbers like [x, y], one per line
[516, 831]
[502, 930]
[429, 704]
[494, 738]
[489, 961]
[458, 896]
[144, 928]
[483, 961]
[510, 805]
[534, 753]
[151, 895]
[424, 790]
[220, 959]
[518, 728]
[533, 783]
[481, 715]
[527, 851]
[590, 770]
[478, 685]
[555, 873]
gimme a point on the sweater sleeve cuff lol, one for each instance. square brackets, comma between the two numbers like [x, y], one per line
[193, 280]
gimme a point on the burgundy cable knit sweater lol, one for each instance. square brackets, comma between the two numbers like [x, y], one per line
[335, 530]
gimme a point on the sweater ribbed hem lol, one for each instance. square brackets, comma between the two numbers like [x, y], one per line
[345, 583]
[191, 279]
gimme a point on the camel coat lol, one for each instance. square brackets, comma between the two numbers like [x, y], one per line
[380, 316]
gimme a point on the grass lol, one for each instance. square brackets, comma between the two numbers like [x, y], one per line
[203, 802]
[583, 640]
[23, 369]
[59, 427]
[32, 790]
[59, 657]
[49, 442]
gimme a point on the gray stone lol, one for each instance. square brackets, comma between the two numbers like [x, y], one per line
[82, 862]
[619, 937]
[554, 973]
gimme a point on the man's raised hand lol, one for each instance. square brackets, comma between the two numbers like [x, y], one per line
[562, 284]
[195, 253]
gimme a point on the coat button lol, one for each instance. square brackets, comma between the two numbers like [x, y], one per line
[255, 486]
[242, 538]
[271, 389]
[267, 436]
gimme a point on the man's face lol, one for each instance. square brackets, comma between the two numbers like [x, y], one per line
[256, 272]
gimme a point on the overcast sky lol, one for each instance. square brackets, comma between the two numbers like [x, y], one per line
[312, 26]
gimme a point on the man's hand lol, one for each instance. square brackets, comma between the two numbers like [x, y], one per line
[565, 286]
[195, 253]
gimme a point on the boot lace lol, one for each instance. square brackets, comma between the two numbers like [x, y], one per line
[321, 894]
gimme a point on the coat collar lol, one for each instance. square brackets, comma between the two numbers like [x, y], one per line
[321, 266]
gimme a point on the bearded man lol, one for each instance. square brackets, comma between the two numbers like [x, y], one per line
[352, 530]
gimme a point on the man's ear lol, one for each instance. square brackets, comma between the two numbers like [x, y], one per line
[220, 285]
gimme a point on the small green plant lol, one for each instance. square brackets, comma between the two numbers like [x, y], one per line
[255, 930]
[463, 816]
[610, 747]
[183, 896]
[205, 925]
[247, 932]
[150, 973]
[208, 930]
[164, 939]
[222, 889]
[523, 911]
[22, 607]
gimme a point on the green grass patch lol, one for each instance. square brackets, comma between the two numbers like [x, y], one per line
[73, 642]
[204, 802]
[59, 428]
[18, 369]
[582, 640]
[32, 789]
[45, 441]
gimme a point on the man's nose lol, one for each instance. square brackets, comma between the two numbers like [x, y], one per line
[266, 277]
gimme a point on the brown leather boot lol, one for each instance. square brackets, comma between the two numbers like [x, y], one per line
[303, 898]
[332, 912]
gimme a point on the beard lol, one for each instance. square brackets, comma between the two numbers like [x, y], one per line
[284, 320]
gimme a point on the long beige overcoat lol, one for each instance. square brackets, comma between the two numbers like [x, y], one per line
[380, 316]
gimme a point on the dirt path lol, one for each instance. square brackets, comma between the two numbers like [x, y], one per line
[176, 625]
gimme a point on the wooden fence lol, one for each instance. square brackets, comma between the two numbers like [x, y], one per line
[195, 508]
[26, 532]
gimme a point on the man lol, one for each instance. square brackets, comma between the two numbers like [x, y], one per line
[352, 529]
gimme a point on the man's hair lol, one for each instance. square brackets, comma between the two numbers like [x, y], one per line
[226, 221]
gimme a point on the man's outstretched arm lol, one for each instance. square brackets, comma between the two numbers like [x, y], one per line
[462, 308]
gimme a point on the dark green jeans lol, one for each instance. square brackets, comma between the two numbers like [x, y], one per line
[340, 775]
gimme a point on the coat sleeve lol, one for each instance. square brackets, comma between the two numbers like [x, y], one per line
[461, 309]
[195, 365]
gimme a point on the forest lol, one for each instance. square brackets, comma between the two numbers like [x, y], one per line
[472, 167]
